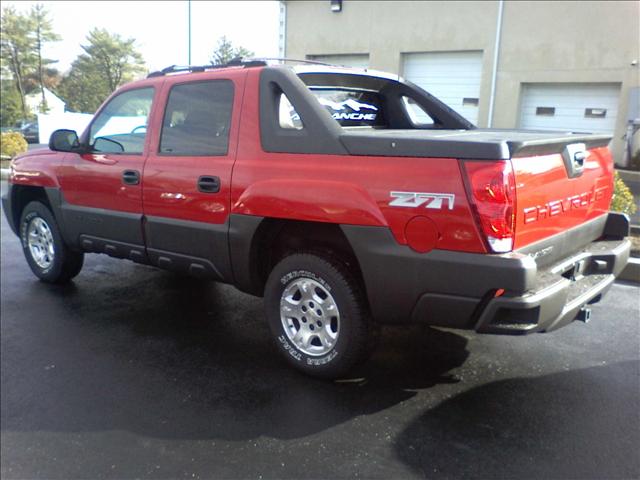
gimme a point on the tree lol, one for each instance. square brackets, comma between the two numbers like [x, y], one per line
[108, 62]
[226, 51]
[17, 50]
[10, 106]
[51, 78]
[43, 33]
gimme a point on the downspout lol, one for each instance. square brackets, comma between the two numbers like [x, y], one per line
[283, 29]
[496, 57]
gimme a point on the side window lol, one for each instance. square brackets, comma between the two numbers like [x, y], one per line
[416, 113]
[197, 119]
[288, 117]
[121, 127]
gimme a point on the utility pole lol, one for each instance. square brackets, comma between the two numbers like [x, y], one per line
[189, 50]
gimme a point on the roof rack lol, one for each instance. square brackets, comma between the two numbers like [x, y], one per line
[284, 60]
[236, 62]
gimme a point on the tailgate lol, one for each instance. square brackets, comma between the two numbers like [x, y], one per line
[561, 189]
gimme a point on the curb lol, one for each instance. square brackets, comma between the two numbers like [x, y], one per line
[631, 272]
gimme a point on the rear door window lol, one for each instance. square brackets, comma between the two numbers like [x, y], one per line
[197, 119]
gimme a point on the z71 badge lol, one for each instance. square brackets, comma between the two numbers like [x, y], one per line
[417, 199]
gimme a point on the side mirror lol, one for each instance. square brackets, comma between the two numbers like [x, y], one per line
[64, 141]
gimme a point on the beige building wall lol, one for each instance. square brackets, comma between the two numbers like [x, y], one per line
[548, 42]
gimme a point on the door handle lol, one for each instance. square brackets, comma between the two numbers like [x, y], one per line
[131, 177]
[207, 184]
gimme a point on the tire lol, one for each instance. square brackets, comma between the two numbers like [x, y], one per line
[47, 255]
[318, 315]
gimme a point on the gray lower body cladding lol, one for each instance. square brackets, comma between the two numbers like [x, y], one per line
[8, 212]
[458, 290]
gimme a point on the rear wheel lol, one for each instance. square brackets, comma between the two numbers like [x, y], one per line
[317, 315]
[49, 258]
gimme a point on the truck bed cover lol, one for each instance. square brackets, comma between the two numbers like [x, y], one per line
[481, 144]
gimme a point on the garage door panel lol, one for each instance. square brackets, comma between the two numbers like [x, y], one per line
[572, 104]
[449, 76]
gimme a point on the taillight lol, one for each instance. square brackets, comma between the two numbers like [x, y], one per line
[491, 189]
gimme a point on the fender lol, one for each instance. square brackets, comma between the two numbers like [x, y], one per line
[36, 169]
[310, 200]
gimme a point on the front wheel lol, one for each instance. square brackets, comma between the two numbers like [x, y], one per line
[49, 258]
[317, 315]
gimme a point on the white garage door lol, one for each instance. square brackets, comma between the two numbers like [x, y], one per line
[577, 107]
[356, 60]
[453, 77]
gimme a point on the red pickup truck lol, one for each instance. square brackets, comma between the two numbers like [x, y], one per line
[347, 198]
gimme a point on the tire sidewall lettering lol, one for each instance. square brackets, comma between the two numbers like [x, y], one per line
[286, 279]
[322, 360]
[23, 227]
[290, 349]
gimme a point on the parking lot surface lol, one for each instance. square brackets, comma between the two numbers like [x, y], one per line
[135, 372]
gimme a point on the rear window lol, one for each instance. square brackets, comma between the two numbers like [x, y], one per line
[350, 108]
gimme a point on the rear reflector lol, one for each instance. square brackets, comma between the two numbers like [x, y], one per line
[491, 190]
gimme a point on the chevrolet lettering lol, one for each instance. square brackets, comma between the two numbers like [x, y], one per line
[558, 207]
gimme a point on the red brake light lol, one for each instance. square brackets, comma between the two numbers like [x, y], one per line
[491, 190]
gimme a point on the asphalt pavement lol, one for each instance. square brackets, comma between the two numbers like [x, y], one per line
[132, 372]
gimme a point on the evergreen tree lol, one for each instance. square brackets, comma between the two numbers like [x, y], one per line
[108, 62]
[17, 51]
[43, 33]
[226, 51]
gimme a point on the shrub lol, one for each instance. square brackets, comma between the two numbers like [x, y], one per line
[622, 197]
[11, 144]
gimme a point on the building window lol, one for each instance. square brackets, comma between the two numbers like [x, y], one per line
[595, 112]
[545, 111]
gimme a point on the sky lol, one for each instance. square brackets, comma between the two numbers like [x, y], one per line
[161, 27]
